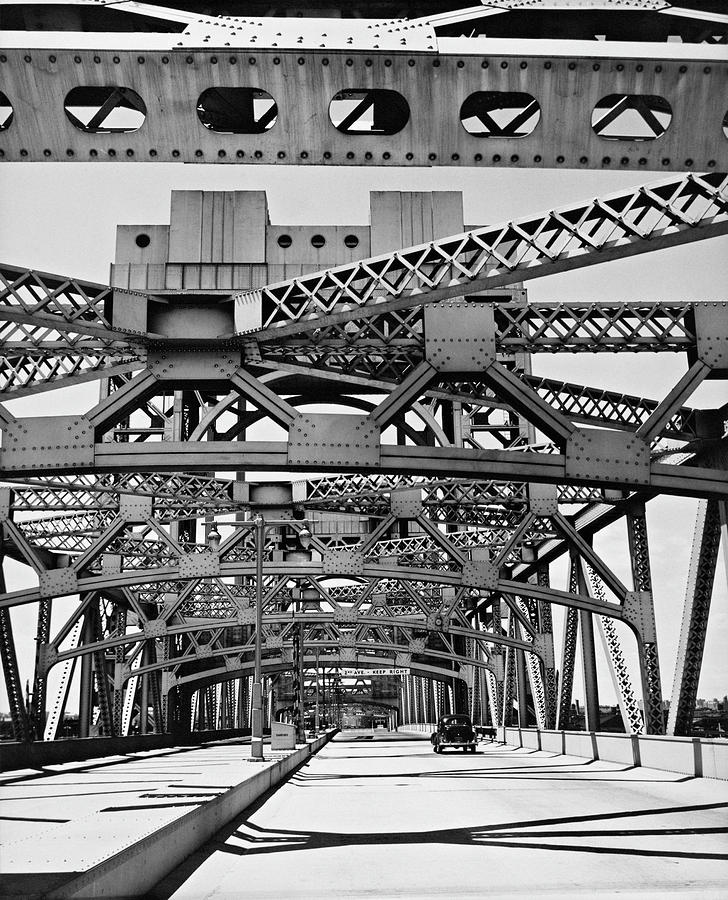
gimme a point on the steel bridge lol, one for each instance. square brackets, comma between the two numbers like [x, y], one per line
[426, 485]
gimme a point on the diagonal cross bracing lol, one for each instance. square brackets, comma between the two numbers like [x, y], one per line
[620, 225]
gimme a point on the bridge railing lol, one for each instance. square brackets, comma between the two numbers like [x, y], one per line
[699, 757]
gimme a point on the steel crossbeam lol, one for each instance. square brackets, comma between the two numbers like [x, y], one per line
[299, 67]
[683, 480]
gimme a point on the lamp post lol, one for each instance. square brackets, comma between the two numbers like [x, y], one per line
[256, 710]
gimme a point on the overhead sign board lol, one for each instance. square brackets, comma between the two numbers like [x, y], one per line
[358, 673]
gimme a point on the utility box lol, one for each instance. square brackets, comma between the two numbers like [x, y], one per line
[282, 736]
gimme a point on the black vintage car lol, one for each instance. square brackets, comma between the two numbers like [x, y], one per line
[455, 730]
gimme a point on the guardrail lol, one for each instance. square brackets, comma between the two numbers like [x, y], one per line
[36, 755]
[135, 870]
[699, 757]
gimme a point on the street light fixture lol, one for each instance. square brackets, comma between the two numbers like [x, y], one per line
[213, 539]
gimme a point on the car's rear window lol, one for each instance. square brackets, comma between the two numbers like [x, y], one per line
[456, 720]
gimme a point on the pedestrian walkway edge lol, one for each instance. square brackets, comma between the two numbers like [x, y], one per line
[136, 869]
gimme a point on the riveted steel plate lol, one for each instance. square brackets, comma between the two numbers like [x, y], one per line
[345, 615]
[357, 60]
[497, 666]
[121, 673]
[347, 654]
[47, 657]
[639, 610]
[403, 659]
[191, 365]
[111, 563]
[134, 508]
[389, 561]
[273, 641]
[57, 582]
[155, 628]
[480, 573]
[417, 645]
[232, 663]
[542, 499]
[245, 617]
[342, 562]
[711, 332]
[4, 503]
[169, 680]
[333, 439]
[204, 651]
[347, 640]
[543, 645]
[199, 565]
[438, 621]
[48, 442]
[406, 503]
[378, 601]
[596, 453]
[459, 336]
[130, 311]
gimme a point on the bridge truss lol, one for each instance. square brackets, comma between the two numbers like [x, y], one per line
[440, 478]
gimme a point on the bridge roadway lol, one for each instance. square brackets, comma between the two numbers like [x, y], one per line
[380, 818]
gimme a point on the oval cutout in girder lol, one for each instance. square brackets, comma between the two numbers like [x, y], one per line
[500, 114]
[105, 109]
[725, 125]
[368, 111]
[631, 117]
[6, 112]
[237, 110]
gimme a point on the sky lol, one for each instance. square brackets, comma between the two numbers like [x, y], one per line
[61, 218]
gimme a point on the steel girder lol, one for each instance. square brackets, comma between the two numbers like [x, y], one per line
[698, 594]
[437, 67]
[167, 560]
[627, 223]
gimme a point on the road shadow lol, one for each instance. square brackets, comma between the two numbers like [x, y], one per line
[243, 837]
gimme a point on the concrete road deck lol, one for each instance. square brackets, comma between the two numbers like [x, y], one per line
[384, 819]
[67, 818]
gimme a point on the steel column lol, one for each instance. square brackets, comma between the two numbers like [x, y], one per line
[568, 652]
[588, 661]
[85, 701]
[649, 659]
[18, 713]
[698, 595]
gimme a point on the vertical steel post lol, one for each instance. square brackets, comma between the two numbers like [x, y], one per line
[85, 687]
[546, 628]
[301, 723]
[144, 691]
[522, 689]
[256, 724]
[568, 653]
[588, 660]
[317, 717]
[38, 707]
[698, 595]
[589, 665]
[18, 711]
[649, 659]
